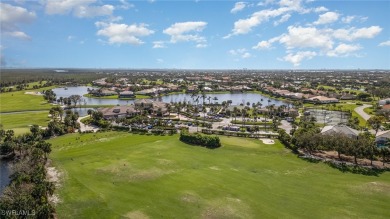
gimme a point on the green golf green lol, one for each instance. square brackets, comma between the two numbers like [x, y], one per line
[122, 175]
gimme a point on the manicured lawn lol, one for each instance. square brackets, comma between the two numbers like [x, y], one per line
[20, 122]
[369, 110]
[119, 175]
[19, 101]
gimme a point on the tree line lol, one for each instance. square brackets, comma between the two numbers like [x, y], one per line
[308, 139]
[29, 190]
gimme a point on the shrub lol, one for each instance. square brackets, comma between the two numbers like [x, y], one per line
[210, 142]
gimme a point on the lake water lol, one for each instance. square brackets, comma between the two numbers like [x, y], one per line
[4, 175]
[236, 98]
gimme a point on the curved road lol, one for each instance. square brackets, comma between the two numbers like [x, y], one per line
[360, 110]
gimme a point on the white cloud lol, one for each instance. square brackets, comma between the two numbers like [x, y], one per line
[93, 11]
[297, 58]
[385, 43]
[80, 8]
[243, 53]
[353, 33]
[123, 33]
[11, 17]
[306, 37]
[201, 45]
[160, 61]
[70, 38]
[239, 6]
[18, 34]
[326, 18]
[283, 19]
[186, 31]
[263, 45]
[344, 50]
[294, 4]
[246, 55]
[266, 2]
[159, 44]
[320, 9]
[125, 5]
[348, 19]
[244, 26]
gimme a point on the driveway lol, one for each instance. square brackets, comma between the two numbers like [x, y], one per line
[360, 110]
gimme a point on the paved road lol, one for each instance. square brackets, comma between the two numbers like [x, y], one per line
[360, 110]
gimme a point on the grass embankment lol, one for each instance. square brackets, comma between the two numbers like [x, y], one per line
[116, 175]
[20, 122]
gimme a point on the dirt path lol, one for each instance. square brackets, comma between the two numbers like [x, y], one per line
[84, 127]
[360, 110]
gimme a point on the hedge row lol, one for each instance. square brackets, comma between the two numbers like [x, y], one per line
[210, 142]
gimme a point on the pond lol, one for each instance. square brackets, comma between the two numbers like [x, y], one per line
[4, 175]
[81, 111]
[236, 98]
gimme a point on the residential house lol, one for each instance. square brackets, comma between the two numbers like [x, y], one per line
[382, 137]
[322, 99]
[348, 97]
[343, 129]
[119, 112]
[126, 94]
[384, 101]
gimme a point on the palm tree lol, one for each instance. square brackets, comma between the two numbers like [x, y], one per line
[215, 100]
[375, 122]
[235, 112]
[204, 113]
[169, 108]
[243, 115]
[89, 111]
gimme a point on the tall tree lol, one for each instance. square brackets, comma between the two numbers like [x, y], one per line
[375, 122]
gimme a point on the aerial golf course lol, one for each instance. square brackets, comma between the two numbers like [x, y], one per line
[122, 175]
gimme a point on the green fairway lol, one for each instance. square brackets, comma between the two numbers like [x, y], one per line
[19, 101]
[120, 175]
[20, 122]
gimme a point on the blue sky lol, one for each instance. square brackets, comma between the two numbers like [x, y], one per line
[268, 34]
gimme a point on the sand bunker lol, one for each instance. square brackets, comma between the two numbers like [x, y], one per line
[34, 93]
[267, 141]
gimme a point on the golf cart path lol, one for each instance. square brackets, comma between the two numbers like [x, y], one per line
[360, 110]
